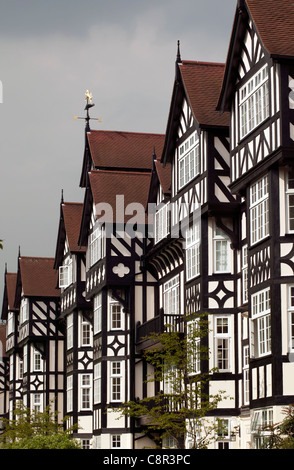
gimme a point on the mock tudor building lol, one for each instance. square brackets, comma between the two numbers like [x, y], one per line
[199, 220]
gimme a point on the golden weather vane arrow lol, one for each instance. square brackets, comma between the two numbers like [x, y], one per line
[88, 99]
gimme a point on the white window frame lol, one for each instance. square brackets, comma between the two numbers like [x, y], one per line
[188, 160]
[86, 332]
[38, 361]
[193, 347]
[97, 313]
[246, 382]
[260, 323]
[96, 245]
[290, 200]
[222, 341]
[254, 101]
[171, 296]
[69, 393]
[86, 391]
[66, 273]
[244, 274]
[192, 251]
[116, 381]
[259, 210]
[10, 323]
[291, 317]
[97, 382]
[261, 419]
[69, 331]
[162, 222]
[115, 441]
[116, 314]
[222, 255]
[37, 404]
[24, 310]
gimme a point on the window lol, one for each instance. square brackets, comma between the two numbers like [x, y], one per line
[262, 419]
[171, 292]
[37, 361]
[69, 328]
[291, 317]
[223, 433]
[246, 375]
[97, 383]
[222, 343]
[261, 323]
[96, 245]
[86, 444]
[162, 222]
[221, 251]
[193, 350]
[20, 368]
[245, 274]
[24, 310]
[115, 314]
[188, 160]
[85, 391]
[116, 381]
[193, 251]
[86, 332]
[10, 323]
[97, 313]
[290, 200]
[65, 273]
[37, 402]
[259, 210]
[69, 392]
[116, 441]
[254, 101]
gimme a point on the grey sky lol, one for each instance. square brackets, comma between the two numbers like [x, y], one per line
[50, 53]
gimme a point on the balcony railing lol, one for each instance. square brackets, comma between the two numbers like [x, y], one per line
[160, 324]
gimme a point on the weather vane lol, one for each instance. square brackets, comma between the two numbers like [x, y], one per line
[88, 99]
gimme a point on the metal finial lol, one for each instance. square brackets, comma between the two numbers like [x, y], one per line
[88, 99]
[179, 53]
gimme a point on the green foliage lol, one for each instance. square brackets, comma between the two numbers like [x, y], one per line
[36, 430]
[181, 409]
[1, 244]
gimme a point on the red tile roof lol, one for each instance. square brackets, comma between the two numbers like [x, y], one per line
[122, 150]
[107, 185]
[274, 20]
[164, 176]
[72, 214]
[202, 82]
[38, 277]
[10, 280]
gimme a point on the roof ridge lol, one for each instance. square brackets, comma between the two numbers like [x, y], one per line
[197, 62]
[126, 172]
[124, 132]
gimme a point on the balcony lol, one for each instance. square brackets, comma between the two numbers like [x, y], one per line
[160, 324]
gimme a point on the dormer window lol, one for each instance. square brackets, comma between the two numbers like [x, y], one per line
[254, 101]
[188, 159]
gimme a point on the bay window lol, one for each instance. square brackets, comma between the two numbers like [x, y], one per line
[261, 323]
[65, 273]
[96, 245]
[188, 159]
[254, 101]
[97, 313]
[171, 292]
[192, 251]
[259, 210]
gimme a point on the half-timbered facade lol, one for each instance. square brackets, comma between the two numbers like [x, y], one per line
[257, 93]
[34, 341]
[76, 316]
[113, 230]
[199, 220]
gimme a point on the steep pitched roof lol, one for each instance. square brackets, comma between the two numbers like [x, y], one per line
[2, 341]
[37, 277]
[130, 187]
[10, 280]
[202, 82]
[123, 150]
[274, 21]
[72, 213]
[164, 176]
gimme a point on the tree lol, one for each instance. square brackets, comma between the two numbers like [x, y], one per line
[180, 410]
[281, 435]
[36, 430]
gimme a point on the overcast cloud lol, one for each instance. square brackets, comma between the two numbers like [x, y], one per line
[50, 53]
